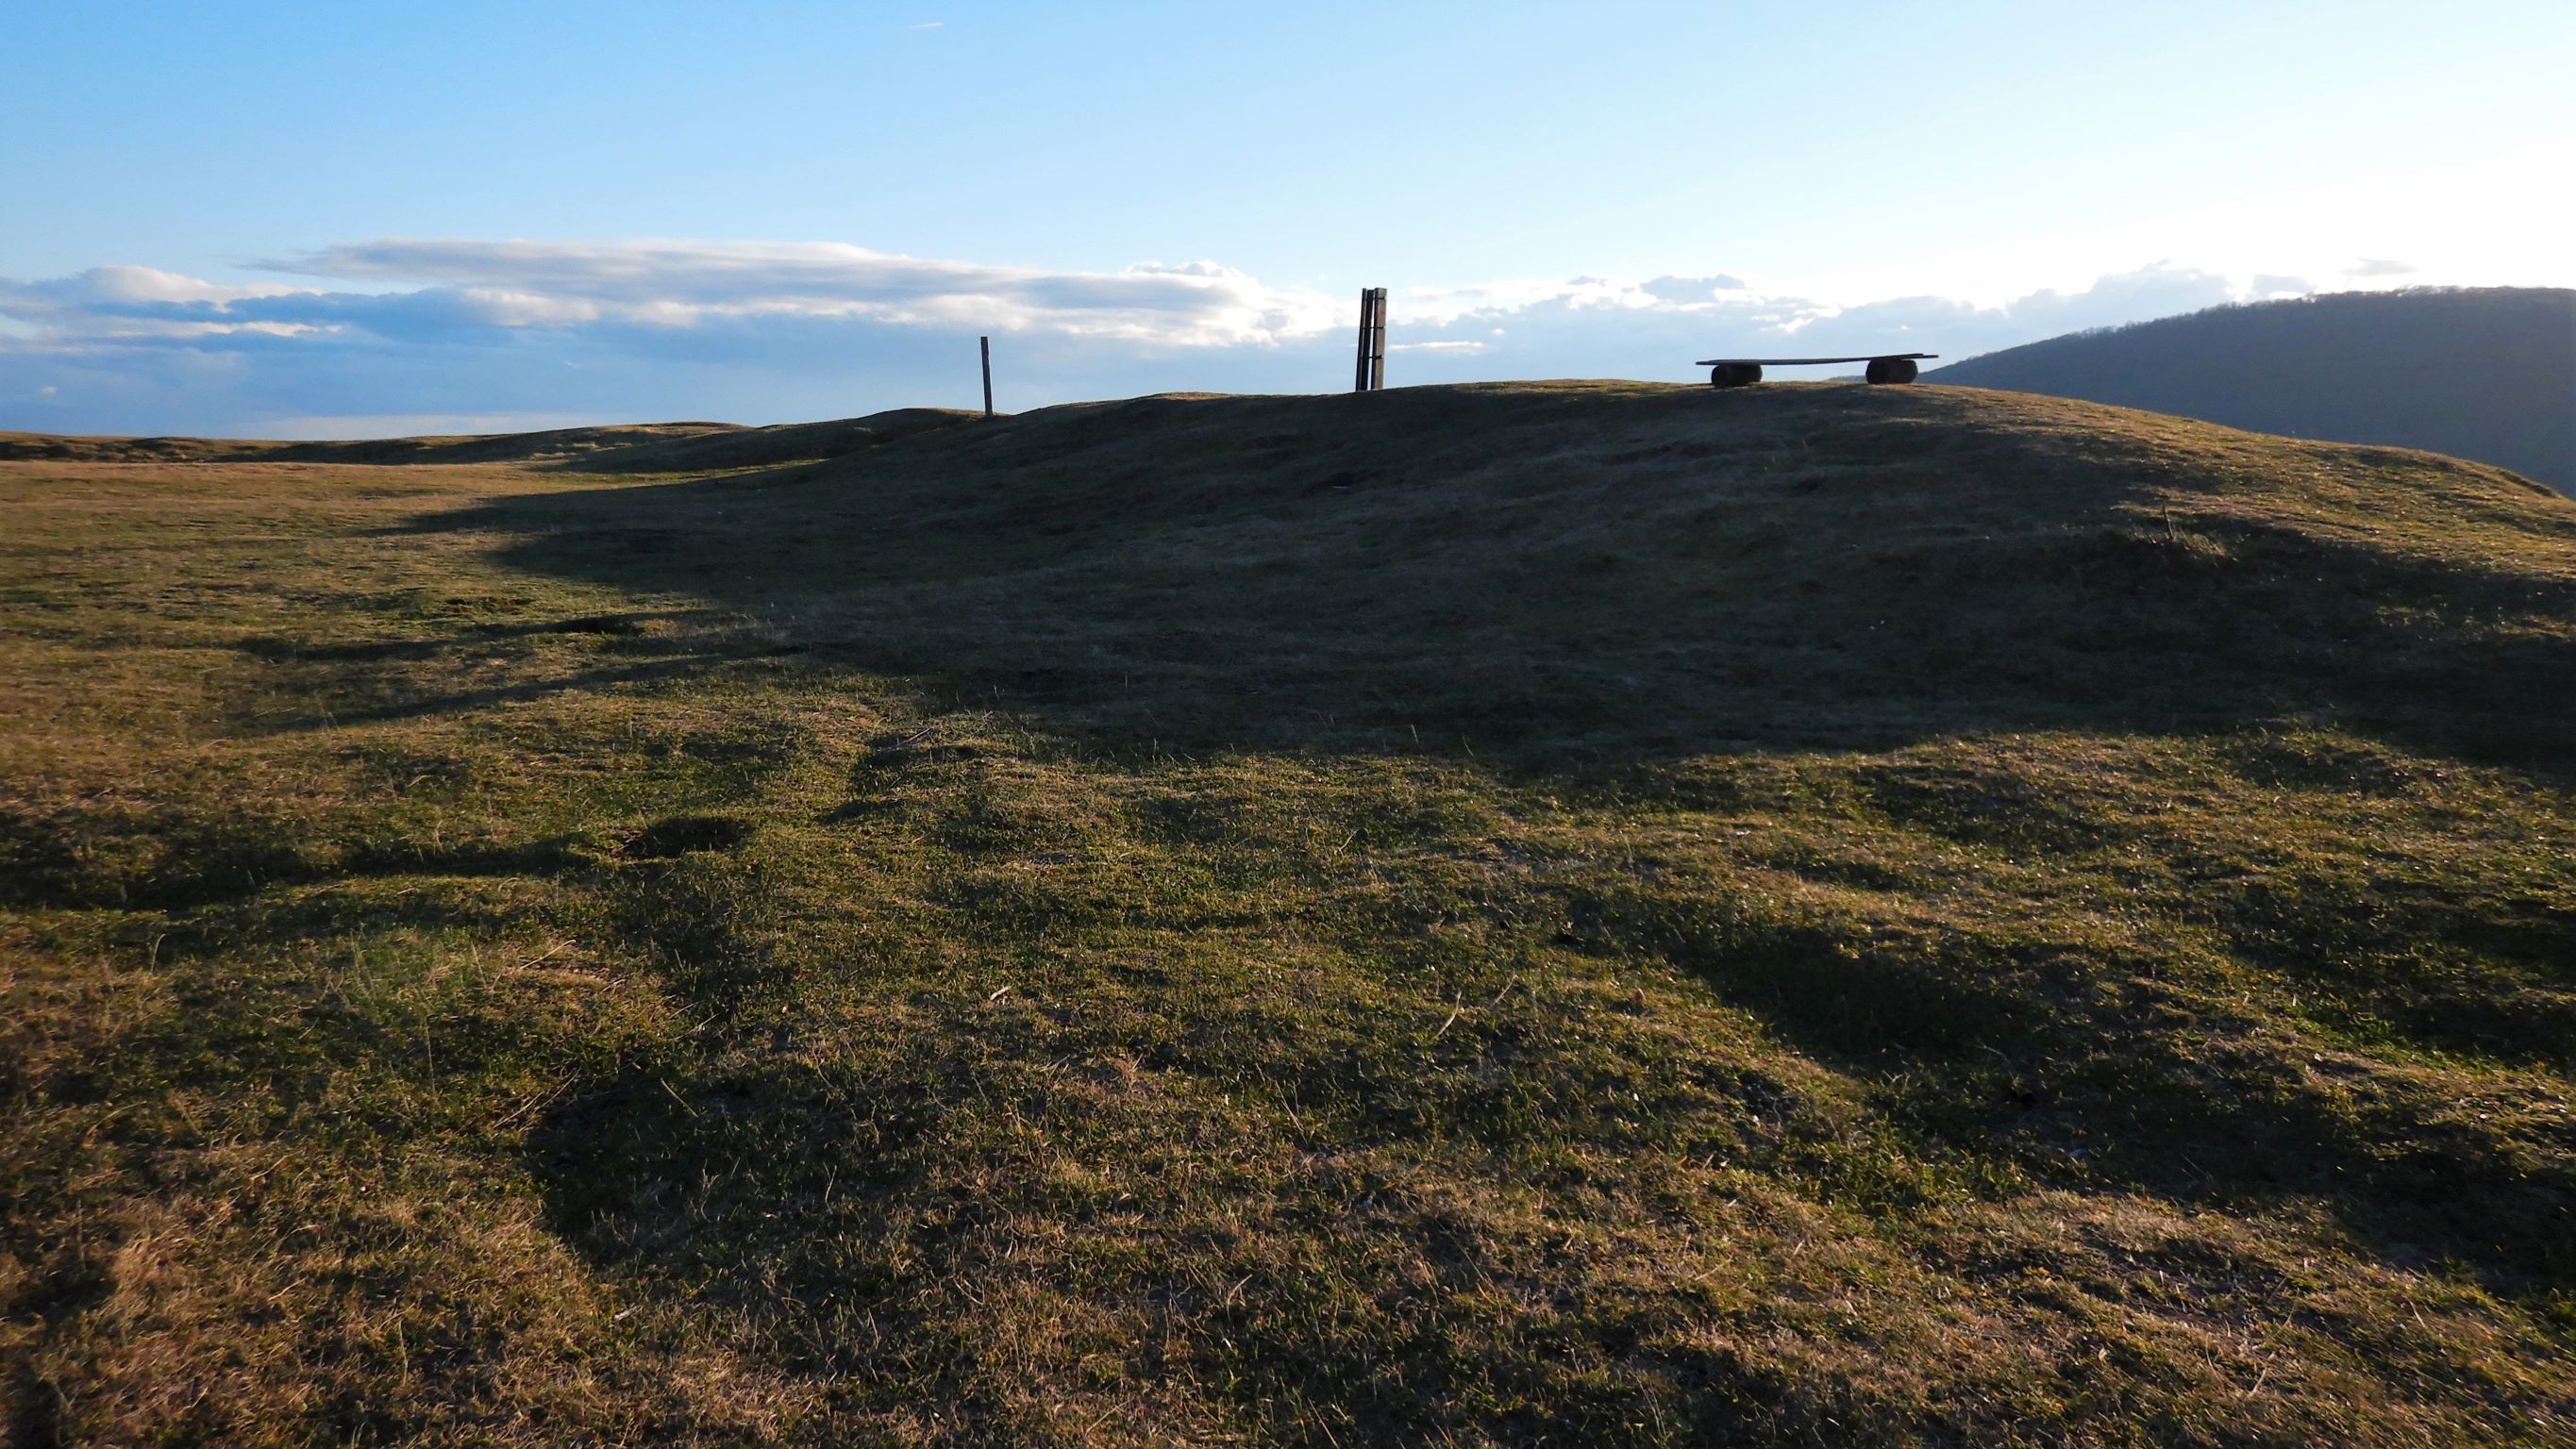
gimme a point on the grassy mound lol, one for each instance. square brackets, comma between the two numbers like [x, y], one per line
[1586, 913]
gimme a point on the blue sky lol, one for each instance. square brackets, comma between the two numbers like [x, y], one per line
[313, 219]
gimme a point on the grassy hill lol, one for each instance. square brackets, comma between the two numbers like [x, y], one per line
[2486, 373]
[1573, 913]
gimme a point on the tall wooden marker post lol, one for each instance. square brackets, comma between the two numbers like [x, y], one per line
[986, 343]
[1371, 375]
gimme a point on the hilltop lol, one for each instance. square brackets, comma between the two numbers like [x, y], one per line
[1586, 912]
[2486, 373]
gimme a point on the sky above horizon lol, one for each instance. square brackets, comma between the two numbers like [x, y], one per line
[307, 219]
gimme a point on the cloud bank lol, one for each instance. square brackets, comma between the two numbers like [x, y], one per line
[410, 335]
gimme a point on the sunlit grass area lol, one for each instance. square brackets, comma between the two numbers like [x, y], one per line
[1572, 913]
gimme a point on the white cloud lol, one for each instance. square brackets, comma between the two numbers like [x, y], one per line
[680, 283]
[120, 301]
[150, 284]
[762, 332]
[1691, 291]
[1490, 299]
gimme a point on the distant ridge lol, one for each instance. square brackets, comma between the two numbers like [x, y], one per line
[615, 448]
[2485, 373]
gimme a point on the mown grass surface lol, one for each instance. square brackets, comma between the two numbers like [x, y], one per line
[1573, 913]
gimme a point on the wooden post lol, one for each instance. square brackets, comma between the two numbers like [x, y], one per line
[1377, 344]
[1370, 374]
[987, 344]
[1368, 305]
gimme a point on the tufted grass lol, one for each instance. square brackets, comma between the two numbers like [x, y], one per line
[1574, 913]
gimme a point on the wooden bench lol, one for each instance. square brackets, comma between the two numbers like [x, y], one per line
[1746, 371]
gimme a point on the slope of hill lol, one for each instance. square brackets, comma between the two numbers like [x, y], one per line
[464, 448]
[2488, 373]
[1595, 913]
[624, 448]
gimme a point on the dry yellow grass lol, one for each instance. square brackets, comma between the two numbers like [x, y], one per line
[1571, 913]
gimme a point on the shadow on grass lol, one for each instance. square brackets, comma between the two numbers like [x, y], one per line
[1560, 583]
[2082, 1071]
[280, 649]
[1564, 583]
[1568, 588]
[411, 702]
[175, 862]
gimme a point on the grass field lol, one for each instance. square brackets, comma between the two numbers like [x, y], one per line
[1587, 914]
